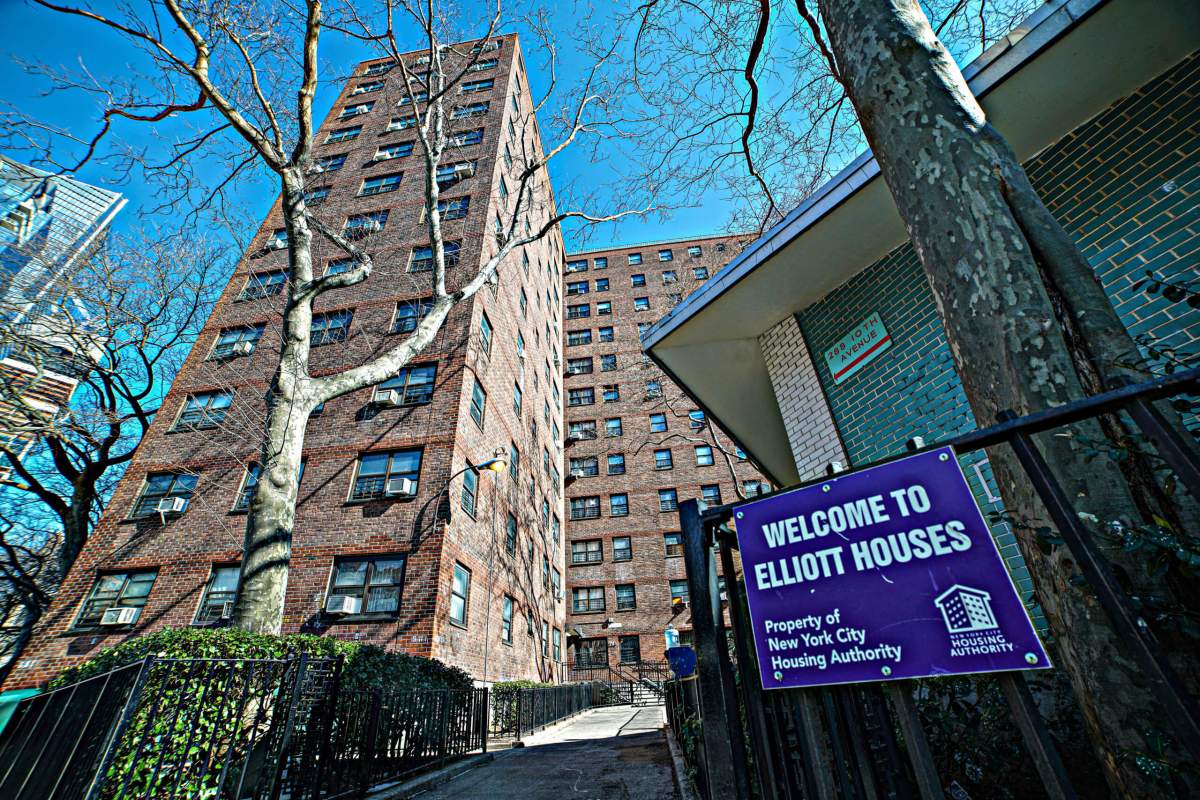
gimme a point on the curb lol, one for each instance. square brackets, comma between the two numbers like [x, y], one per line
[424, 783]
[682, 784]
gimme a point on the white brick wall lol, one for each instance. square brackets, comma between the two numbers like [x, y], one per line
[810, 427]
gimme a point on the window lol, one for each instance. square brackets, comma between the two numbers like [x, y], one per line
[220, 589]
[381, 184]
[585, 467]
[478, 403]
[588, 552]
[618, 505]
[117, 590]
[700, 273]
[602, 284]
[658, 423]
[591, 653]
[161, 485]
[378, 474]
[575, 338]
[249, 483]
[616, 464]
[579, 366]
[679, 591]
[577, 266]
[711, 494]
[579, 312]
[338, 266]
[454, 209]
[557, 639]
[545, 639]
[477, 86]
[470, 110]
[356, 110]
[524, 303]
[577, 287]
[753, 488]
[622, 546]
[669, 276]
[585, 396]
[329, 328]
[626, 597]
[228, 341]
[373, 582]
[696, 420]
[485, 333]
[634, 258]
[514, 460]
[518, 399]
[418, 97]
[460, 594]
[401, 124]
[469, 489]
[366, 88]
[605, 333]
[720, 247]
[483, 66]
[413, 386]
[662, 459]
[409, 313]
[510, 534]
[641, 304]
[704, 455]
[466, 138]
[673, 544]
[608, 362]
[343, 134]
[587, 598]
[361, 225]
[263, 284]
[668, 500]
[316, 196]
[642, 328]
[381, 68]
[421, 259]
[612, 427]
[585, 507]
[695, 251]
[581, 430]
[612, 393]
[604, 308]
[556, 583]
[630, 648]
[637, 280]
[666, 255]
[600, 263]
[506, 620]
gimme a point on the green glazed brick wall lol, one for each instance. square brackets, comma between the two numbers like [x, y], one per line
[1125, 185]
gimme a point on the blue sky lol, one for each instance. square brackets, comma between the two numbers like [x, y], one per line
[58, 40]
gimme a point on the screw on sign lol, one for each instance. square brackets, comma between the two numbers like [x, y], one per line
[885, 574]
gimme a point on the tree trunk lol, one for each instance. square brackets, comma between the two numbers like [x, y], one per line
[950, 174]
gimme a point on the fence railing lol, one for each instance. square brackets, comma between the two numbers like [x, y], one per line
[524, 711]
[242, 729]
[849, 740]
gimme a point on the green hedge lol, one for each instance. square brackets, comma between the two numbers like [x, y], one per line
[367, 666]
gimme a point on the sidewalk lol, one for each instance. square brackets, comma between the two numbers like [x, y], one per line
[618, 752]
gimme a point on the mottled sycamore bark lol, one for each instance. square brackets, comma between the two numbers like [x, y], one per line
[990, 250]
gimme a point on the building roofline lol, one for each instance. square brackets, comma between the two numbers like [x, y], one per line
[656, 242]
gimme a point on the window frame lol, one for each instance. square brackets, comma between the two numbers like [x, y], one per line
[464, 596]
[332, 588]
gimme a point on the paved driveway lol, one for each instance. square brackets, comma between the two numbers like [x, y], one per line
[615, 753]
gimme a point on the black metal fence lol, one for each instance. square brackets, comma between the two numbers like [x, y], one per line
[524, 711]
[867, 740]
[244, 729]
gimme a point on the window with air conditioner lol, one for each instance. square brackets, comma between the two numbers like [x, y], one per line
[216, 604]
[116, 599]
[263, 284]
[164, 486]
[391, 473]
[365, 585]
[411, 386]
[235, 342]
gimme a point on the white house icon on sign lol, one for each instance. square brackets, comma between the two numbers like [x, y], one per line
[965, 609]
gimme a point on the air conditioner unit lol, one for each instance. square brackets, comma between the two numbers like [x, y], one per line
[171, 505]
[382, 156]
[317, 168]
[578, 473]
[558, 594]
[277, 244]
[464, 169]
[557, 361]
[118, 615]
[373, 225]
[227, 610]
[401, 487]
[387, 398]
[242, 348]
[341, 604]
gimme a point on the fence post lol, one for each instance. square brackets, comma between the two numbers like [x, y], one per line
[1037, 739]
[288, 725]
[928, 782]
[1178, 704]
[119, 731]
[325, 732]
[724, 757]
[367, 748]
[483, 717]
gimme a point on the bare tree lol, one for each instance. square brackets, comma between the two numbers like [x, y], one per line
[246, 76]
[1060, 337]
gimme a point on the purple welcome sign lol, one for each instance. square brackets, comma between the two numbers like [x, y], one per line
[882, 574]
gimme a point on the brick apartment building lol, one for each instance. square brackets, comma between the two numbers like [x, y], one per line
[469, 567]
[636, 446]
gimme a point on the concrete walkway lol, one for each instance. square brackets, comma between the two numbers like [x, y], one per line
[617, 753]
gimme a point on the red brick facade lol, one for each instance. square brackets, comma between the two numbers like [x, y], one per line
[183, 551]
[648, 569]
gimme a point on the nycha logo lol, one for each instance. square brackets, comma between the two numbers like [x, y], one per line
[970, 622]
